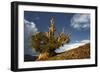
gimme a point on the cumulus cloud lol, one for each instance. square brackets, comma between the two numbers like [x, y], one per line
[70, 46]
[80, 21]
[29, 30]
[30, 27]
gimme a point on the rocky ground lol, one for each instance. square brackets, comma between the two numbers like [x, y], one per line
[82, 52]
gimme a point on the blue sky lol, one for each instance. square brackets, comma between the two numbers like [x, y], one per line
[75, 23]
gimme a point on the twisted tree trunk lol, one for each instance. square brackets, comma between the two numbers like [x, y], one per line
[46, 55]
[43, 56]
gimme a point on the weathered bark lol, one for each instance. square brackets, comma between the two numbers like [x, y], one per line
[45, 55]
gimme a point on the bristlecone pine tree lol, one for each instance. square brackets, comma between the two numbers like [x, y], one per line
[45, 42]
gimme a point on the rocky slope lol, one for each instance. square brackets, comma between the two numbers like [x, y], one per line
[81, 52]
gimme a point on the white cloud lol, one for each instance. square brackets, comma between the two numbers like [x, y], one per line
[30, 27]
[29, 30]
[80, 21]
[70, 46]
[85, 41]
